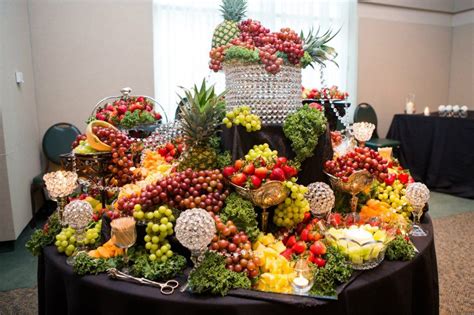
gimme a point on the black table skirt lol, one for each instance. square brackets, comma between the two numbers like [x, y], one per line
[391, 288]
[439, 151]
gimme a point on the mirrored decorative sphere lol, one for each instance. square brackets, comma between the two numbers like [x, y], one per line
[195, 229]
[321, 198]
[77, 214]
[417, 194]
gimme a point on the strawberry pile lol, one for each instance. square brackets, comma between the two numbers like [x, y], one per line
[127, 112]
[171, 151]
[332, 93]
[252, 174]
[306, 242]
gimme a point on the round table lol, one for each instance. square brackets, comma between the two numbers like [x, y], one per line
[391, 288]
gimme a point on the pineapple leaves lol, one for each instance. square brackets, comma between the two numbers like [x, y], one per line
[316, 47]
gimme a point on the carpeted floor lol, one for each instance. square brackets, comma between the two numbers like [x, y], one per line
[454, 250]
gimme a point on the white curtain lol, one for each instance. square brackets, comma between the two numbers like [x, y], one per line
[183, 30]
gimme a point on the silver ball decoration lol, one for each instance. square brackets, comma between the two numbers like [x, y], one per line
[417, 194]
[195, 229]
[320, 197]
[77, 214]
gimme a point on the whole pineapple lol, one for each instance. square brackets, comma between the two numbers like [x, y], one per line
[201, 116]
[233, 11]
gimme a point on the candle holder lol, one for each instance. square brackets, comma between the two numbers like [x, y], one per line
[417, 195]
[362, 131]
[195, 229]
[77, 214]
[303, 281]
[124, 235]
[321, 199]
[59, 185]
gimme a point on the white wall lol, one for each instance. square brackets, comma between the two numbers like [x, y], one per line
[86, 50]
[19, 144]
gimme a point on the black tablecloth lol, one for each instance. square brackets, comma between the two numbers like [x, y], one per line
[239, 142]
[439, 151]
[391, 288]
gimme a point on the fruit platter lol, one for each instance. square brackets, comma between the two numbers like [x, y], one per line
[182, 208]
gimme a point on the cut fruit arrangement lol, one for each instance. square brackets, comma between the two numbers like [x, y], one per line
[190, 170]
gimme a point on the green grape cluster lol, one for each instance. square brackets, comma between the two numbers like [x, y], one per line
[159, 227]
[394, 195]
[242, 116]
[291, 212]
[67, 240]
[263, 151]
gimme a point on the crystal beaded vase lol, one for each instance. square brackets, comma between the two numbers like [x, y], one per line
[270, 96]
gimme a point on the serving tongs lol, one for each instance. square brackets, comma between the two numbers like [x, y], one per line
[166, 288]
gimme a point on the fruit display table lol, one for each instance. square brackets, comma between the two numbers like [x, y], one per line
[394, 287]
[437, 150]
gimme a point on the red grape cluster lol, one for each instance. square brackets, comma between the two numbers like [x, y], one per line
[235, 247]
[122, 160]
[183, 190]
[79, 138]
[359, 159]
[254, 35]
[336, 138]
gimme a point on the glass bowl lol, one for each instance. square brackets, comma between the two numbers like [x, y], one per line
[363, 249]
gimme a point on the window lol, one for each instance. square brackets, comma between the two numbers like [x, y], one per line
[183, 31]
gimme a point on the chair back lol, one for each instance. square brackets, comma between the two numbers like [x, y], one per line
[365, 112]
[57, 140]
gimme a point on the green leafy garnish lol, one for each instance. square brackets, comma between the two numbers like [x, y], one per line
[45, 236]
[400, 249]
[303, 129]
[241, 54]
[158, 270]
[211, 276]
[131, 120]
[86, 265]
[224, 159]
[242, 213]
[335, 272]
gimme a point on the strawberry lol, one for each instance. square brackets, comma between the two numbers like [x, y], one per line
[157, 116]
[314, 236]
[291, 241]
[403, 178]
[148, 108]
[249, 169]
[256, 181]
[122, 109]
[287, 253]
[180, 147]
[318, 248]
[169, 158]
[239, 179]
[109, 107]
[335, 219]
[172, 152]
[169, 146]
[100, 116]
[162, 151]
[281, 161]
[307, 217]
[390, 179]
[299, 247]
[228, 171]
[140, 99]
[238, 164]
[320, 262]
[261, 172]
[277, 174]
[290, 171]
[304, 235]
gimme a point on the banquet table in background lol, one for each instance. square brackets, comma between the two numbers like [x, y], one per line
[439, 151]
[391, 288]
